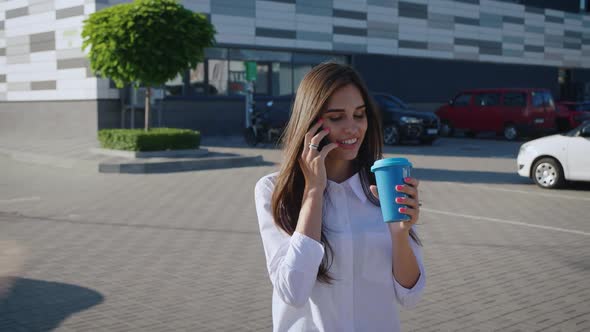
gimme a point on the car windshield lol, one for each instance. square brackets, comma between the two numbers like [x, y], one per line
[398, 101]
[391, 101]
[575, 131]
[570, 133]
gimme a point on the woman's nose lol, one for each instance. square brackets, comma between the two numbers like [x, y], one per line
[352, 128]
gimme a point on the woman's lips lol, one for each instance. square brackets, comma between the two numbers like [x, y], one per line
[348, 146]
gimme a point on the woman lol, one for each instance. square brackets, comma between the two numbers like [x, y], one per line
[333, 263]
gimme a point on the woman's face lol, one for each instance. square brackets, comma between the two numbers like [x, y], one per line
[345, 116]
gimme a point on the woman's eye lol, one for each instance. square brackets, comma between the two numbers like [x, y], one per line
[337, 118]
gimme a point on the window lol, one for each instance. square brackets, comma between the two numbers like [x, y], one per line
[514, 99]
[389, 103]
[174, 87]
[196, 79]
[462, 100]
[398, 101]
[262, 80]
[488, 99]
[282, 79]
[218, 75]
[273, 78]
[537, 99]
[299, 70]
[303, 62]
[237, 84]
[548, 99]
[223, 72]
[273, 70]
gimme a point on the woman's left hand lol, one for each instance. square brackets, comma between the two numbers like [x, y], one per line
[412, 202]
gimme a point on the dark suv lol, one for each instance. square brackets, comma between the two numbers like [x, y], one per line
[402, 122]
[571, 114]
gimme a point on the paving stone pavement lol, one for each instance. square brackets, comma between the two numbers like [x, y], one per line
[181, 251]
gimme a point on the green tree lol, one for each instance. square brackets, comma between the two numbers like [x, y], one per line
[145, 43]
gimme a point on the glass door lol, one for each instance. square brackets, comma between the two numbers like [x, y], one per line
[263, 78]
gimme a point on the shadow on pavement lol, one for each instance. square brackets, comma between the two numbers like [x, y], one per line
[233, 142]
[581, 186]
[444, 175]
[458, 147]
[37, 305]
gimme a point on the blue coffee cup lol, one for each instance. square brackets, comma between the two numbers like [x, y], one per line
[389, 173]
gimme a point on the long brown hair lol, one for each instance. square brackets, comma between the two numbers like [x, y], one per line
[314, 91]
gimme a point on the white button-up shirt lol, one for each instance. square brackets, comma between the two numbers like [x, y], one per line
[364, 295]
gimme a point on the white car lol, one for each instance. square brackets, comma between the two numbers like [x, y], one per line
[552, 160]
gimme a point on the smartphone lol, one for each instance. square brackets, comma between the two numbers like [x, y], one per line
[325, 141]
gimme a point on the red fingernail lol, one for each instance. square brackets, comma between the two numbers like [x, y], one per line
[399, 187]
[320, 120]
[399, 199]
[327, 129]
[407, 179]
[402, 210]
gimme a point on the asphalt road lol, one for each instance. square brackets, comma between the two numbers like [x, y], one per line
[83, 251]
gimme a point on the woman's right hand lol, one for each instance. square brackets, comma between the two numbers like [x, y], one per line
[312, 161]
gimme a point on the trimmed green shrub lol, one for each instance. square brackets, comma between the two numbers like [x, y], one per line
[156, 139]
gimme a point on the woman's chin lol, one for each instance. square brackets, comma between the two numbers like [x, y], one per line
[347, 155]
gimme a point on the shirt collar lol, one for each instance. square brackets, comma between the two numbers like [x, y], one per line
[357, 187]
[354, 182]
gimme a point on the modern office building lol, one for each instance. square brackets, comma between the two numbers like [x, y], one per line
[423, 51]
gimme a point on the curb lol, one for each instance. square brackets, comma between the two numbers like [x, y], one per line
[137, 166]
[181, 166]
[194, 153]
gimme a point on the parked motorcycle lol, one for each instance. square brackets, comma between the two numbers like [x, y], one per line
[267, 125]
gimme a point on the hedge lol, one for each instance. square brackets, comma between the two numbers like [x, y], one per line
[156, 139]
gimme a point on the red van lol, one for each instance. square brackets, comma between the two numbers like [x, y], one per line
[508, 112]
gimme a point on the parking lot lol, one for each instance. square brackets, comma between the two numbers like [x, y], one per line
[181, 251]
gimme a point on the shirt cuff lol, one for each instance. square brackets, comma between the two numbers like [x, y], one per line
[403, 291]
[304, 253]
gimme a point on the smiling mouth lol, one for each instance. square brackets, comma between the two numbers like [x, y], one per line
[351, 141]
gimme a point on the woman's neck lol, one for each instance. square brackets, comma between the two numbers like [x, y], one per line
[339, 170]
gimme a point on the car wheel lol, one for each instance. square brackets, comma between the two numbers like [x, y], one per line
[510, 132]
[547, 173]
[446, 129]
[391, 135]
[250, 137]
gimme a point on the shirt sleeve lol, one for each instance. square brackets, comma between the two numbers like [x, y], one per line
[292, 261]
[409, 298]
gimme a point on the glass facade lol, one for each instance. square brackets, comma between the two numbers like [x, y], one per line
[572, 6]
[223, 73]
[196, 80]
[174, 87]
[218, 75]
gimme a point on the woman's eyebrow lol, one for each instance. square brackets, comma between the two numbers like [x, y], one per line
[342, 110]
